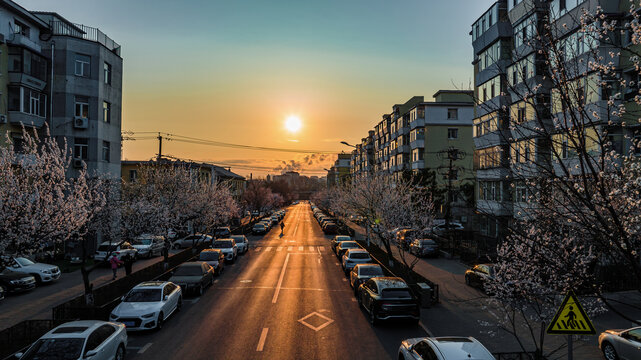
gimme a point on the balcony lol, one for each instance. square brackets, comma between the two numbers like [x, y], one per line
[417, 123]
[418, 143]
[404, 130]
[22, 40]
[417, 165]
[403, 149]
[20, 118]
[86, 33]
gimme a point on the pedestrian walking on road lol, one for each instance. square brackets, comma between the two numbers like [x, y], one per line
[114, 261]
[282, 229]
[129, 262]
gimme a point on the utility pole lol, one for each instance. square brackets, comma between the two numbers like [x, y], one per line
[451, 155]
[159, 148]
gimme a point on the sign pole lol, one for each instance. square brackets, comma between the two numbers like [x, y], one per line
[570, 347]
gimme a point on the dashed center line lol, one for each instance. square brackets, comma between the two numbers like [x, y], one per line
[261, 340]
[144, 348]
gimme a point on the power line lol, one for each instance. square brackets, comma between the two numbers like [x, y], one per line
[239, 166]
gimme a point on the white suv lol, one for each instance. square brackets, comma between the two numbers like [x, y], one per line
[149, 245]
[106, 249]
[228, 247]
[42, 272]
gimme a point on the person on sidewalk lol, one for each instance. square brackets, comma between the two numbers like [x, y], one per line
[114, 261]
[282, 228]
[129, 262]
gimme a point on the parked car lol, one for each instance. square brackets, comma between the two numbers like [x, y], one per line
[148, 305]
[43, 273]
[443, 228]
[343, 246]
[443, 348]
[621, 344]
[228, 247]
[120, 251]
[172, 234]
[405, 237]
[274, 220]
[353, 257]
[87, 339]
[149, 245]
[241, 242]
[424, 247]
[388, 298]
[14, 282]
[221, 232]
[215, 258]
[363, 272]
[330, 228]
[191, 240]
[338, 239]
[2, 292]
[259, 228]
[193, 276]
[478, 275]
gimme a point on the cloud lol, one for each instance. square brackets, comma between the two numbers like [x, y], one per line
[311, 161]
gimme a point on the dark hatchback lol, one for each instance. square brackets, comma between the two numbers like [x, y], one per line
[221, 232]
[14, 282]
[215, 258]
[193, 277]
[387, 298]
[424, 247]
[330, 228]
[479, 275]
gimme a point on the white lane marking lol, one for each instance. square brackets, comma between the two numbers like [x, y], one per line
[280, 248]
[269, 248]
[261, 341]
[319, 260]
[257, 249]
[337, 264]
[195, 300]
[245, 281]
[311, 248]
[144, 348]
[301, 248]
[427, 331]
[215, 281]
[290, 248]
[354, 300]
[316, 328]
[321, 248]
[280, 280]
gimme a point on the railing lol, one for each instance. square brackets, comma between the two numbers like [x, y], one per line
[23, 334]
[517, 356]
[85, 32]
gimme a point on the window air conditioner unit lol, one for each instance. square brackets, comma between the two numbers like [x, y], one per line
[80, 123]
[77, 163]
[3, 119]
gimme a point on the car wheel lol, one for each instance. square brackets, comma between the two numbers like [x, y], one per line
[211, 282]
[120, 353]
[609, 352]
[200, 290]
[38, 279]
[360, 299]
[160, 321]
[179, 305]
[372, 317]
[149, 255]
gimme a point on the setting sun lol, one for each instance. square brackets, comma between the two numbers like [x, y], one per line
[293, 124]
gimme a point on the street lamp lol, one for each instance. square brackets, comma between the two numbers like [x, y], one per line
[348, 144]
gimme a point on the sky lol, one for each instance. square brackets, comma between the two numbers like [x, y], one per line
[233, 71]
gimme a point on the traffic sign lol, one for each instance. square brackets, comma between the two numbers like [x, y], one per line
[571, 319]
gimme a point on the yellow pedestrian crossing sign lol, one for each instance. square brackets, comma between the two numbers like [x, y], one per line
[571, 319]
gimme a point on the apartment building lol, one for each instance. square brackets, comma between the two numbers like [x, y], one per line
[518, 47]
[67, 76]
[339, 173]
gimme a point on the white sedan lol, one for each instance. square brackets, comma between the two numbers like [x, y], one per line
[241, 242]
[621, 344]
[148, 305]
[42, 272]
[88, 339]
[443, 348]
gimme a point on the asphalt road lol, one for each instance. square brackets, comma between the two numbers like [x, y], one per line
[287, 298]
[37, 303]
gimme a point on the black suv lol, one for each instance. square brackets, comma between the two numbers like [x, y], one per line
[386, 298]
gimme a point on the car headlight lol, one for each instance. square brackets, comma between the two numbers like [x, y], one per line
[148, 315]
[14, 282]
[46, 271]
[113, 316]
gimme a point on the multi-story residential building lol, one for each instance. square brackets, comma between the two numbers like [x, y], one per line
[362, 157]
[24, 79]
[87, 93]
[339, 173]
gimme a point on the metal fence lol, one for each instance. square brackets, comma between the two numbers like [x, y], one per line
[21, 335]
[517, 356]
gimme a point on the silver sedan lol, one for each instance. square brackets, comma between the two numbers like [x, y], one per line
[621, 344]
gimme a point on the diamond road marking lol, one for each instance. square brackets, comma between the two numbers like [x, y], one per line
[311, 248]
[245, 281]
[316, 328]
[269, 248]
[301, 248]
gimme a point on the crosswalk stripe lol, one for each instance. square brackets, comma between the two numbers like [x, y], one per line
[311, 248]
[269, 248]
[301, 248]
[321, 248]
[290, 248]
[279, 248]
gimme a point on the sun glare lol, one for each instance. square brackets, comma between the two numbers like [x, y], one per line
[293, 124]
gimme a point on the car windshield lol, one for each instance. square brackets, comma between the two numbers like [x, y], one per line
[193, 237]
[259, 226]
[343, 238]
[55, 349]
[222, 244]
[209, 256]
[428, 243]
[24, 261]
[188, 271]
[107, 248]
[143, 242]
[143, 295]
[371, 270]
[397, 293]
[349, 244]
[238, 238]
[359, 255]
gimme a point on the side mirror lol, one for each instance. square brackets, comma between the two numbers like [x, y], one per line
[90, 354]
[18, 355]
[165, 298]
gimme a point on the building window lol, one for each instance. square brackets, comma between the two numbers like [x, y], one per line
[82, 65]
[562, 5]
[106, 151]
[80, 148]
[27, 101]
[20, 28]
[564, 149]
[452, 133]
[82, 107]
[133, 175]
[453, 113]
[106, 112]
[107, 73]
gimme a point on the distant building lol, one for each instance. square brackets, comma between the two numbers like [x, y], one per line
[339, 173]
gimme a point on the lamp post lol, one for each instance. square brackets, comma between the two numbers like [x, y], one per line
[348, 144]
